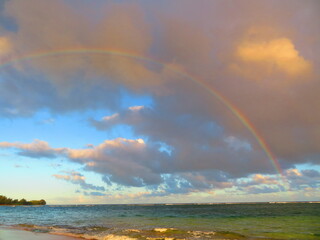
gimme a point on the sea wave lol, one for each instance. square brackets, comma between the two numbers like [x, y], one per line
[102, 233]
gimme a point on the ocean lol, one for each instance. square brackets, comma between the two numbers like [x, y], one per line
[163, 221]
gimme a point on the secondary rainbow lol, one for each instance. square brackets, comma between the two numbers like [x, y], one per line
[243, 119]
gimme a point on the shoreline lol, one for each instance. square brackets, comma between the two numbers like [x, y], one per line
[27, 233]
[10, 233]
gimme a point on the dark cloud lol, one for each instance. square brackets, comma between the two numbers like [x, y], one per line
[311, 173]
[203, 147]
[308, 178]
[6, 23]
[23, 94]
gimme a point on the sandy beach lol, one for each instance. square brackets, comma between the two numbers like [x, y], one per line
[14, 234]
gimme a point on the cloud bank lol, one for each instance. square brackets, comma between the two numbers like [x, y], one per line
[133, 163]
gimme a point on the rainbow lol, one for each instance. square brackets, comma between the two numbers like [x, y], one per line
[235, 111]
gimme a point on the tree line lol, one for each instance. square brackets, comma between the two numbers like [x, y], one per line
[8, 201]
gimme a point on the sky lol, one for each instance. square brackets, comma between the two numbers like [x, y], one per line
[159, 101]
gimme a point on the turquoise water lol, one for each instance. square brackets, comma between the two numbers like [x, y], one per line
[216, 221]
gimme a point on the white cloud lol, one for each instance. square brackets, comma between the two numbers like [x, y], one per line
[79, 179]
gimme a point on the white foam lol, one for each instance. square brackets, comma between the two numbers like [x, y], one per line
[132, 230]
[117, 237]
[163, 229]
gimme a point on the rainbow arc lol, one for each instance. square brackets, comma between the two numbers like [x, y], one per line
[218, 96]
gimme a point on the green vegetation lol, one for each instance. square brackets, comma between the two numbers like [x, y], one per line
[8, 201]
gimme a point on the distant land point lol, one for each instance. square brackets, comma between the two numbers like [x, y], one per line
[9, 201]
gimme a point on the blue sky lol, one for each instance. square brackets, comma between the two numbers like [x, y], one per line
[88, 127]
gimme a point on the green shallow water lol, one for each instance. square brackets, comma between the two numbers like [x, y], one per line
[228, 221]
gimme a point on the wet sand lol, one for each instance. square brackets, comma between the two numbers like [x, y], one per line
[13, 234]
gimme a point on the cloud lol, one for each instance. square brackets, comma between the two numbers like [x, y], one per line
[301, 179]
[136, 163]
[78, 178]
[279, 52]
[56, 82]
[264, 180]
[20, 166]
[258, 190]
[296, 180]
[99, 194]
[123, 161]
[56, 165]
[117, 26]
[36, 149]
[204, 141]
[5, 47]
[132, 163]
[48, 121]
[188, 131]
[128, 116]
[259, 179]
